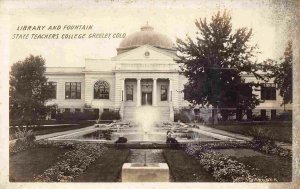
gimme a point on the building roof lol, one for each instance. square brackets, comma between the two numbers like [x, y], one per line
[147, 36]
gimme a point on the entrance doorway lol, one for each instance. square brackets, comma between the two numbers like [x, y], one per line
[146, 90]
[146, 98]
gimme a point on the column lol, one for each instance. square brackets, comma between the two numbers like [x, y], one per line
[138, 92]
[123, 90]
[170, 90]
[154, 92]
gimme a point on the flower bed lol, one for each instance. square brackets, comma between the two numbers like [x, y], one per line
[222, 167]
[20, 145]
[267, 148]
[23, 144]
[72, 163]
[25, 140]
[271, 148]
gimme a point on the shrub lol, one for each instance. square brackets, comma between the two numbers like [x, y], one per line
[273, 149]
[183, 116]
[107, 134]
[261, 136]
[28, 134]
[264, 141]
[260, 118]
[110, 115]
[172, 143]
[121, 140]
[25, 140]
[77, 116]
[285, 116]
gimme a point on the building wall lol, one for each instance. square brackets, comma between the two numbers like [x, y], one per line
[118, 90]
[90, 80]
[134, 65]
[60, 93]
[87, 91]
[175, 88]
[181, 82]
[268, 104]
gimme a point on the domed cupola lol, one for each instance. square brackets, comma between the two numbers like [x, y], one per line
[147, 36]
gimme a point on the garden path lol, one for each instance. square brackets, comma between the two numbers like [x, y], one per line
[40, 137]
[235, 135]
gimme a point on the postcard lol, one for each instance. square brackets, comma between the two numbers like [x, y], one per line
[155, 94]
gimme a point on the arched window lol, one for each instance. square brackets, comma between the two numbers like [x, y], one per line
[101, 90]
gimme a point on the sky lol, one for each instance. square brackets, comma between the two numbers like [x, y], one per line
[271, 24]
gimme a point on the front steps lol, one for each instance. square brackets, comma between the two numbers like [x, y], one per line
[131, 111]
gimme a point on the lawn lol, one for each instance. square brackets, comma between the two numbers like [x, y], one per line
[185, 168]
[24, 165]
[267, 165]
[107, 168]
[281, 132]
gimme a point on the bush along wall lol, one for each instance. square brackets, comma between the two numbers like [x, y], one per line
[223, 168]
[183, 115]
[72, 163]
[77, 116]
[110, 115]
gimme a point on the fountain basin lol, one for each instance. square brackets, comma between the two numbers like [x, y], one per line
[149, 172]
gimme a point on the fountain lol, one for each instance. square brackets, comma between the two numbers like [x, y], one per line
[146, 117]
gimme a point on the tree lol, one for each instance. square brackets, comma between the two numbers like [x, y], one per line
[214, 63]
[283, 75]
[28, 91]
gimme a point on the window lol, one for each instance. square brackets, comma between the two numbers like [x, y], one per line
[101, 90]
[239, 114]
[184, 92]
[67, 110]
[268, 91]
[77, 110]
[249, 114]
[197, 111]
[73, 90]
[273, 114]
[164, 93]
[52, 88]
[263, 114]
[53, 114]
[129, 92]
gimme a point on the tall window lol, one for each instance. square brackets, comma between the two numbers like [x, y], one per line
[52, 87]
[101, 90]
[73, 90]
[273, 114]
[263, 114]
[268, 91]
[129, 92]
[164, 93]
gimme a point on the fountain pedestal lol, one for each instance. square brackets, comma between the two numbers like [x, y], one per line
[150, 172]
[145, 136]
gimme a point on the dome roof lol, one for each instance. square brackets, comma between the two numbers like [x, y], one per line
[147, 36]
